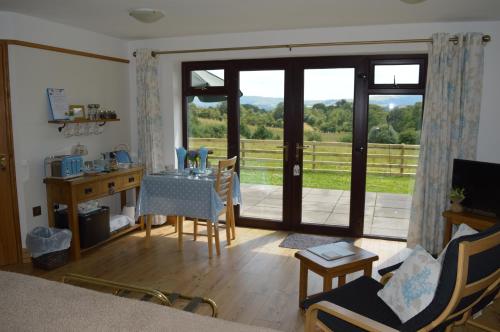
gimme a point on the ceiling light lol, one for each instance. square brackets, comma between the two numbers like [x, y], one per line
[146, 15]
[412, 1]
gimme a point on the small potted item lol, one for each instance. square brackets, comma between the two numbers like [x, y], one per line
[457, 195]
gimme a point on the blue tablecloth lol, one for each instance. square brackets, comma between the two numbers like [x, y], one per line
[181, 195]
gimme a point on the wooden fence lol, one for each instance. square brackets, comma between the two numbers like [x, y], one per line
[321, 157]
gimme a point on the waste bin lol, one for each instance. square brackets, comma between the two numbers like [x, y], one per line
[49, 247]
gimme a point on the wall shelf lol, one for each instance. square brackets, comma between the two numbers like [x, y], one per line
[63, 123]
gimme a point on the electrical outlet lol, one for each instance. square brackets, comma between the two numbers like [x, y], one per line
[37, 210]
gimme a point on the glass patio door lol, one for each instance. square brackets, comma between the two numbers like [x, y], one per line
[261, 145]
[331, 185]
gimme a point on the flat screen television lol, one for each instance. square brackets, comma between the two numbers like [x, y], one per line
[481, 182]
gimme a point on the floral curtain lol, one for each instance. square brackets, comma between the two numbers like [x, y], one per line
[149, 122]
[449, 130]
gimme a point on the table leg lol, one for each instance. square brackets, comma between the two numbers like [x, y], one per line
[327, 283]
[217, 241]
[180, 222]
[149, 221]
[341, 281]
[210, 242]
[368, 270]
[303, 282]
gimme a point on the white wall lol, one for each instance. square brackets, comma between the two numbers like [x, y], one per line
[86, 80]
[170, 83]
[36, 30]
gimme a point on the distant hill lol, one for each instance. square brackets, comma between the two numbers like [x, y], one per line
[269, 103]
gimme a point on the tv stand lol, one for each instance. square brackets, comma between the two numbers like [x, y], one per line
[476, 221]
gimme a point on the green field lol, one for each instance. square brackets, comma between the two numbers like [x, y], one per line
[260, 162]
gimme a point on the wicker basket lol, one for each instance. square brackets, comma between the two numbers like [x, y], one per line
[52, 260]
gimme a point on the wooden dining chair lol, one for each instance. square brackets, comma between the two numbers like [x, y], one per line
[224, 188]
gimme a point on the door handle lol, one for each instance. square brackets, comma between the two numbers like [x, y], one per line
[285, 150]
[3, 162]
[299, 147]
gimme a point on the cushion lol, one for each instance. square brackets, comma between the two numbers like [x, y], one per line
[462, 230]
[360, 296]
[412, 287]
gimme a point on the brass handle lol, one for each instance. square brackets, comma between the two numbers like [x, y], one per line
[3, 162]
[285, 148]
[299, 147]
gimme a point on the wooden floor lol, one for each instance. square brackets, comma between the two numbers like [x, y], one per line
[254, 281]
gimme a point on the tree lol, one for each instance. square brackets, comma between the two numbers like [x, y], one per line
[409, 136]
[262, 133]
[245, 131]
[346, 138]
[384, 134]
[312, 136]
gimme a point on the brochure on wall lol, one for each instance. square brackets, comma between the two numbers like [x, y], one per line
[58, 103]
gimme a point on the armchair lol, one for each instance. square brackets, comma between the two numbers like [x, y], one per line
[470, 279]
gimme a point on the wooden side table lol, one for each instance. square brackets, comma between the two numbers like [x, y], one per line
[80, 189]
[361, 261]
[475, 221]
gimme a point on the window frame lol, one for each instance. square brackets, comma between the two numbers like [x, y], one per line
[398, 60]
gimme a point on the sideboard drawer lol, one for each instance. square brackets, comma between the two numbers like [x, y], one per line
[112, 185]
[88, 191]
[130, 180]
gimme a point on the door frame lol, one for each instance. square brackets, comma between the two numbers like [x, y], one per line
[6, 113]
[358, 152]
[294, 81]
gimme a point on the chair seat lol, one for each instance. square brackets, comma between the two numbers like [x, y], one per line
[366, 302]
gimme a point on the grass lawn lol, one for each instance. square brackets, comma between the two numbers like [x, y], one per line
[374, 183]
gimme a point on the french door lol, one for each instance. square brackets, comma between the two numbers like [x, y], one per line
[299, 127]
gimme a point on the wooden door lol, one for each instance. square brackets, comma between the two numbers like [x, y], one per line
[10, 245]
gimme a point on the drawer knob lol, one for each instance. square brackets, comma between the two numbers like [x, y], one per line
[131, 179]
[88, 191]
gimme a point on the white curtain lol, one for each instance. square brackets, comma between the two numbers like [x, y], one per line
[449, 130]
[149, 122]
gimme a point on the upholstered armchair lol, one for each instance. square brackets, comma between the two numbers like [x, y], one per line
[469, 280]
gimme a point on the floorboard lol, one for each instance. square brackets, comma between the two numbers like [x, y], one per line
[254, 281]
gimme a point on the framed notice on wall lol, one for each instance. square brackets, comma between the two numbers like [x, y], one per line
[58, 104]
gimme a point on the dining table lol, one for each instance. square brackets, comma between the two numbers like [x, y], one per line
[182, 193]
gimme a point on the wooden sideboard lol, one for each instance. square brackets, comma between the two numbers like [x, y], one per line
[476, 221]
[76, 190]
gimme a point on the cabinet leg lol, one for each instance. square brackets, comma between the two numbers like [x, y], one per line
[75, 230]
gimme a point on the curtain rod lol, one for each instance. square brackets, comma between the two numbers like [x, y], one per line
[486, 39]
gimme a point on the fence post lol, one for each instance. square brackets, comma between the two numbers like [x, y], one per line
[402, 164]
[313, 155]
[242, 154]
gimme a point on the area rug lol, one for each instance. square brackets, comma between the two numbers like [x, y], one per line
[304, 241]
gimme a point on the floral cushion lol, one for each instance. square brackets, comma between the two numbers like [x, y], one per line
[462, 230]
[412, 287]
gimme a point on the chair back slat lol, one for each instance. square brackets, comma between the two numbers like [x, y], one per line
[224, 181]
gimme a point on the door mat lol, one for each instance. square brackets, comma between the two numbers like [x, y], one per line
[304, 241]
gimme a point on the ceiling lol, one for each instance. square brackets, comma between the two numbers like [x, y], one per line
[198, 17]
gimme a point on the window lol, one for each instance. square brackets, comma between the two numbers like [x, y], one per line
[397, 74]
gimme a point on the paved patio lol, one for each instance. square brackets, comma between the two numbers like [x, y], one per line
[385, 214]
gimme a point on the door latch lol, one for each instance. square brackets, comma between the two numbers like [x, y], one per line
[296, 170]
